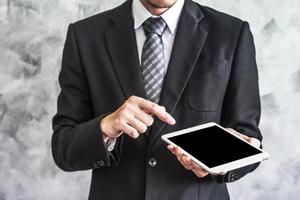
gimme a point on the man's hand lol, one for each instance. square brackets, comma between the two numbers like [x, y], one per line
[187, 162]
[133, 118]
[253, 141]
[199, 171]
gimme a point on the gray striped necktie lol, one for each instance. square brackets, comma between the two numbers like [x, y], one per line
[153, 61]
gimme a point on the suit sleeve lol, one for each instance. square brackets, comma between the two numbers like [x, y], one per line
[77, 142]
[241, 108]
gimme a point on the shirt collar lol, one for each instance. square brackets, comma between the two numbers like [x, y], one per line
[171, 16]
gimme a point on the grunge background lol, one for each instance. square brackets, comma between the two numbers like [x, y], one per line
[32, 34]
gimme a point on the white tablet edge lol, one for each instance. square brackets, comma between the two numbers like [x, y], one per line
[221, 168]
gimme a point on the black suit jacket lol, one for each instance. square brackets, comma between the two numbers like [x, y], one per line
[212, 76]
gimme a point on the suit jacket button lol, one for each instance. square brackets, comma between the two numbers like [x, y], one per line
[152, 162]
[232, 178]
[101, 163]
[96, 166]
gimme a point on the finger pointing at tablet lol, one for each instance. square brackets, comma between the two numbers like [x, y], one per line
[133, 118]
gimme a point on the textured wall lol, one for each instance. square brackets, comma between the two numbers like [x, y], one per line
[32, 35]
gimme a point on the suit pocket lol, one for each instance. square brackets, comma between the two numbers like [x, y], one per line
[207, 85]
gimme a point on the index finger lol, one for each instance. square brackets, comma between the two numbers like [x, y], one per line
[156, 110]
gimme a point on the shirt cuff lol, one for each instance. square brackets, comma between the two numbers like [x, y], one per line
[109, 143]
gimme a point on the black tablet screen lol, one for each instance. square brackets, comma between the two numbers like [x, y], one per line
[213, 146]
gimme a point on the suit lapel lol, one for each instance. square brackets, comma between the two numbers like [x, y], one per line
[122, 47]
[188, 43]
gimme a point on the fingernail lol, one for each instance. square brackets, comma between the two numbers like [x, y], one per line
[179, 151]
[136, 135]
[172, 120]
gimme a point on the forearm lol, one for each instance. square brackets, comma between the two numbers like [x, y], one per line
[79, 146]
[241, 108]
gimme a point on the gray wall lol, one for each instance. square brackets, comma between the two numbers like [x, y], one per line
[32, 34]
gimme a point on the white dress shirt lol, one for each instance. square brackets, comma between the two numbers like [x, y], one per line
[140, 15]
[170, 16]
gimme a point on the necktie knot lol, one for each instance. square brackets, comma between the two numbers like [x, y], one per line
[154, 26]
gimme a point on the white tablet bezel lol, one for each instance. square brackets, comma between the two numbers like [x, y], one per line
[224, 167]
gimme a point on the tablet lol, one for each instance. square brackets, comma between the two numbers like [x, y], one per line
[214, 148]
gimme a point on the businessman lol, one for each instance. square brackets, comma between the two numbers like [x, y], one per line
[146, 68]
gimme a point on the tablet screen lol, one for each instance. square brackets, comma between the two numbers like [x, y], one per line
[213, 146]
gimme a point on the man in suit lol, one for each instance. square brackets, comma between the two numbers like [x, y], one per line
[143, 69]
